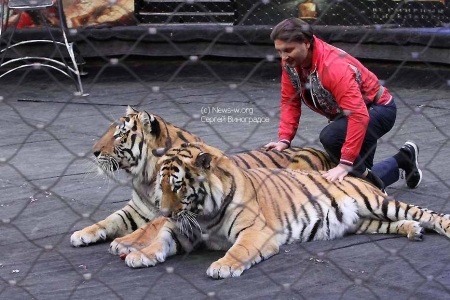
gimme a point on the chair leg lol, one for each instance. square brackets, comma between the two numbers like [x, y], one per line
[2, 13]
[69, 47]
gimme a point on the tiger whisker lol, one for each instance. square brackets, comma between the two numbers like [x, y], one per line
[184, 225]
[192, 217]
[183, 221]
[116, 164]
[188, 220]
[91, 169]
[180, 225]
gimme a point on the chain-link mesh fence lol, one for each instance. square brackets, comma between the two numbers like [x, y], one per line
[50, 186]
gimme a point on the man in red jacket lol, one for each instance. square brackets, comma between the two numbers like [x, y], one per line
[337, 86]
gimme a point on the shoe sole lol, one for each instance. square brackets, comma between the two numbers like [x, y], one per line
[420, 178]
[416, 160]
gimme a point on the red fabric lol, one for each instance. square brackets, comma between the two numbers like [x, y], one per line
[25, 21]
[338, 77]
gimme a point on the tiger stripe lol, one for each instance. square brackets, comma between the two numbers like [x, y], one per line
[226, 202]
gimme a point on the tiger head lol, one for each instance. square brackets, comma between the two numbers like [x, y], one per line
[186, 185]
[131, 142]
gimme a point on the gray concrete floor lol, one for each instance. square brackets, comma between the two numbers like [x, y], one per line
[49, 187]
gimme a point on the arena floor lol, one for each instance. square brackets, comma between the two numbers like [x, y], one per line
[49, 187]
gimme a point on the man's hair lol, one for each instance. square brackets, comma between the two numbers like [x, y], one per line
[293, 30]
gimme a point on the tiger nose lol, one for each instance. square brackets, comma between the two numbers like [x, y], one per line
[165, 212]
[96, 153]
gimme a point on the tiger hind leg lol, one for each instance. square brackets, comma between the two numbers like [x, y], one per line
[138, 239]
[445, 216]
[412, 229]
[393, 210]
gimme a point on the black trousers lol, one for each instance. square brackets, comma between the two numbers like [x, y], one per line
[382, 119]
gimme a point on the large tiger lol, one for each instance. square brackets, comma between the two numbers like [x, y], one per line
[252, 212]
[130, 143]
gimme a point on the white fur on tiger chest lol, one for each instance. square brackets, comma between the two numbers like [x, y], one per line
[143, 198]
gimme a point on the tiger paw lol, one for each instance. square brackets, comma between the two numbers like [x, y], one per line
[140, 259]
[88, 235]
[118, 247]
[137, 240]
[224, 268]
[415, 232]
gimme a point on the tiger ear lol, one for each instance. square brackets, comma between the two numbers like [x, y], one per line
[150, 123]
[203, 160]
[131, 111]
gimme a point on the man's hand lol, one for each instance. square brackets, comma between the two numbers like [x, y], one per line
[338, 172]
[280, 146]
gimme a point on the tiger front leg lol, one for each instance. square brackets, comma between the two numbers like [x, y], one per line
[107, 228]
[139, 239]
[250, 248]
[118, 224]
[166, 243]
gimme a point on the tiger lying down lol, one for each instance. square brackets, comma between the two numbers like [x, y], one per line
[252, 212]
[129, 144]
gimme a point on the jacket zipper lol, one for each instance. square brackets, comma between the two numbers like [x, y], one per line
[311, 90]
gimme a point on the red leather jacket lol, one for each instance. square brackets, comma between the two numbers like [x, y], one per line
[337, 84]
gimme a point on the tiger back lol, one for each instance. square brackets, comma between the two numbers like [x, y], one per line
[291, 158]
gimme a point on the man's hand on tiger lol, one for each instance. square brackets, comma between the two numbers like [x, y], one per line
[280, 146]
[338, 172]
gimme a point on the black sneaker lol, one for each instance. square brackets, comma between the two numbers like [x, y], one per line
[413, 174]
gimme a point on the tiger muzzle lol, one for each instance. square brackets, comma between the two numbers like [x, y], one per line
[170, 213]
